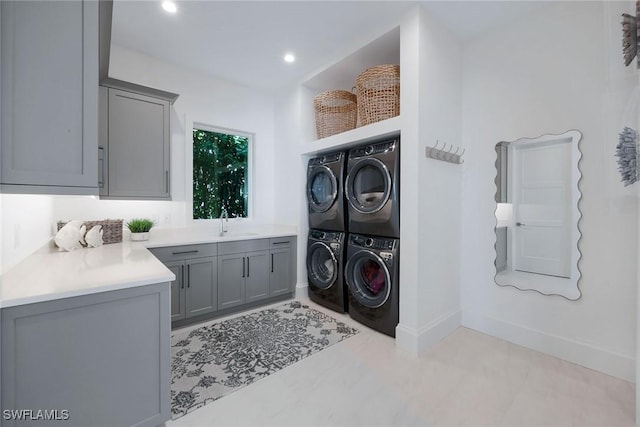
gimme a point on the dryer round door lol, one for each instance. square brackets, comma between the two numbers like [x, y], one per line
[322, 265]
[322, 188]
[368, 185]
[368, 279]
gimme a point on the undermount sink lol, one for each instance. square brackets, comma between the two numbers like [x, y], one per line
[238, 234]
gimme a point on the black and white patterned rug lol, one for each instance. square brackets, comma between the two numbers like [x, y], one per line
[219, 358]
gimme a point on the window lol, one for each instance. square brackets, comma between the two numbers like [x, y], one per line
[220, 173]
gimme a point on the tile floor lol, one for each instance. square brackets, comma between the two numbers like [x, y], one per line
[468, 379]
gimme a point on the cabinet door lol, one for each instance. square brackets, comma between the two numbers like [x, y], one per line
[138, 146]
[257, 276]
[202, 286]
[280, 274]
[178, 303]
[231, 279]
[49, 85]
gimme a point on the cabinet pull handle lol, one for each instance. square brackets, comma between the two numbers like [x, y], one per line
[103, 160]
[272, 263]
[243, 267]
[188, 275]
[280, 243]
[248, 266]
[185, 252]
[182, 273]
[166, 181]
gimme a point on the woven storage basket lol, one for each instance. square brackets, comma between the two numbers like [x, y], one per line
[112, 229]
[378, 92]
[336, 112]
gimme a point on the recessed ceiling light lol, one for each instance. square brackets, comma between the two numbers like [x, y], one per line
[169, 6]
[289, 57]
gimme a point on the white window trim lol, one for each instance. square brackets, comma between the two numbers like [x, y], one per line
[199, 124]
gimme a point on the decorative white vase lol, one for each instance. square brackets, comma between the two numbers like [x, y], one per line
[138, 237]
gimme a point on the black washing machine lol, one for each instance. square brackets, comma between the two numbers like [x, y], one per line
[325, 261]
[325, 199]
[372, 189]
[371, 274]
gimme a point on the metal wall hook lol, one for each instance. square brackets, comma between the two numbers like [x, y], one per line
[445, 154]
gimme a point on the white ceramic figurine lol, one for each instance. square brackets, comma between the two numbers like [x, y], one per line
[71, 236]
[94, 236]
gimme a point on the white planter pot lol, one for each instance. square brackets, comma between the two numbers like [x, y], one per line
[137, 237]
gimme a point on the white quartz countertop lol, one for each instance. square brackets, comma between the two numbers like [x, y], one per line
[50, 274]
[211, 234]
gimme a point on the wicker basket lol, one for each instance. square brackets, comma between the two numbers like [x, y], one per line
[336, 112]
[378, 92]
[112, 229]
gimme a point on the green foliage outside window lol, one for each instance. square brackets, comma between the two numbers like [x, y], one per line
[220, 163]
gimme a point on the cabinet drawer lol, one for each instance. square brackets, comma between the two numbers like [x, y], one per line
[172, 253]
[280, 242]
[241, 246]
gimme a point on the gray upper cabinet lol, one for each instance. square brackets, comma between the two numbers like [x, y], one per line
[49, 97]
[136, 163]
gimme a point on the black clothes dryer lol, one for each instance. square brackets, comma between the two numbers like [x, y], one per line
[372, 189]
[325, 261]
[371, 274]
[325, 198]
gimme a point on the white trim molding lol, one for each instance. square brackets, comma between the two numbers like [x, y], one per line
[417, 341]
[571, 350]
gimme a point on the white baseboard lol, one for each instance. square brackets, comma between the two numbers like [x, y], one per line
[301, 289]
[416, 341]
[570, 350]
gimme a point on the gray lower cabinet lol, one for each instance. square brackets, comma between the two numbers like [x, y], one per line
[243, 278]
[49, 102]
[103, 358]
[215, 277]
[280, 273]
[257, 280]
[283, 269]
[135, 137]
[202, 289]
[195, 290]
[178, 293]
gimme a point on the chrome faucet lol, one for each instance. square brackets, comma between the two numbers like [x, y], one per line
[224, 218]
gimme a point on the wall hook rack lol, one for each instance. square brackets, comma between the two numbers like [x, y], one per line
[445, 154]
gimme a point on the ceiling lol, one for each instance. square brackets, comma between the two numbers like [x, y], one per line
[245, 41]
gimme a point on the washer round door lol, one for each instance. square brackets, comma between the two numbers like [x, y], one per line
[322, 188]
[368, 279]
[322, 265]
[368, 185]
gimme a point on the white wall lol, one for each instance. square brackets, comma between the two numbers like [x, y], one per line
[431, 106]
[557, 69]
[290, 178]
[26, 225]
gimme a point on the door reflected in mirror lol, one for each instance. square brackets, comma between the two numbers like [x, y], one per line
[537, 214]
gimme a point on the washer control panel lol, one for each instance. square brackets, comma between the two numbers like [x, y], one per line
[372, 149]
[372, 242]
[329, 158]
[326, 236]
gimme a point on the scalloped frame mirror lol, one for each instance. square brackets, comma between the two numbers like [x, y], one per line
[537, 214]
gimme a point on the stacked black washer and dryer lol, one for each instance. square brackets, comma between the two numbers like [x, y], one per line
[354, 220]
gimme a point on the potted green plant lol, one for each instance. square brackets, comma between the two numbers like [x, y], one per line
[139, 228]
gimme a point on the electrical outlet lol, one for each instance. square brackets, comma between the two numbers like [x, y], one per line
[166, 219]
